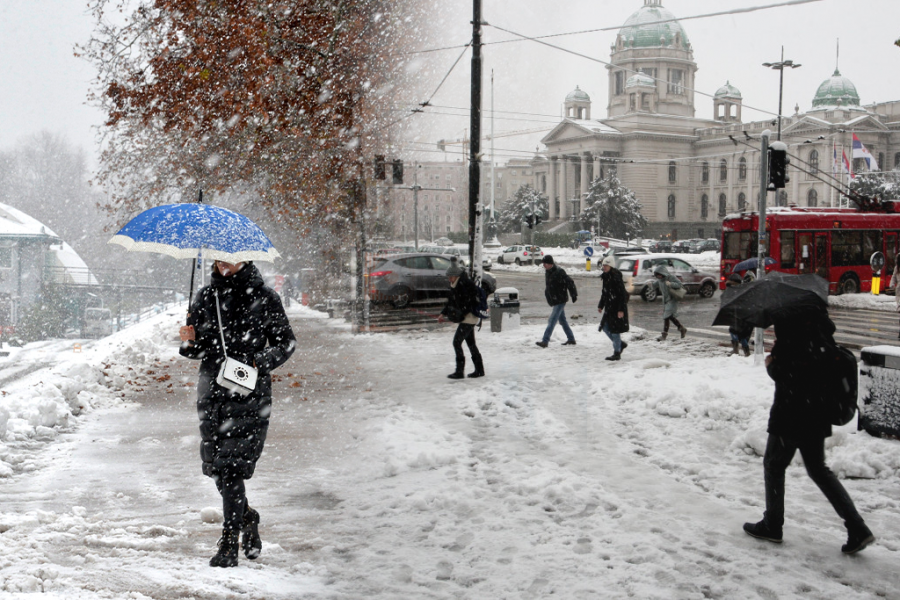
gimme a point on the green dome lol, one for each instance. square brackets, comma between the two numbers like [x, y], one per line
[837, 88]
[728, 91]
[578, 95]
[640, 79]
[642, 31]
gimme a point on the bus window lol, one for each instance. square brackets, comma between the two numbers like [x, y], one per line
[871, 243]
[787, 249]
[805, 245]
[740, 245]
[822, 265]
[846, 249]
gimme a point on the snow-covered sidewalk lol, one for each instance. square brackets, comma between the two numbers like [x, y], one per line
[559, 474]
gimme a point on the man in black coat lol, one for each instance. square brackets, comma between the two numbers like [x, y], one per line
[233, 427]
[461, 309]
[798, 422]
[559, 287]
[614, 306]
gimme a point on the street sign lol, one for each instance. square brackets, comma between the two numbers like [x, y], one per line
[588, 251]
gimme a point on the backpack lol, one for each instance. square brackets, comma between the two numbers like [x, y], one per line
[479, 302]
[840, 384]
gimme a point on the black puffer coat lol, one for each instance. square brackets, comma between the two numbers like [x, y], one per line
[613, 300]
[558, 286]
[796, 367]
[461, 301]
[257, 332]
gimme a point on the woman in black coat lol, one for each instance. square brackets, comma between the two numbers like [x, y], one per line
[233, 427]
[614, 306]
[797, 421]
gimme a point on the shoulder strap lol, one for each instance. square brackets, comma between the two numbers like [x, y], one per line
[219, 317]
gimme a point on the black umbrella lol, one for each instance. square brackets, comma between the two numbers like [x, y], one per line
[776, 295]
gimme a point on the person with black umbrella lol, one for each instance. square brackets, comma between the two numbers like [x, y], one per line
[797, 421]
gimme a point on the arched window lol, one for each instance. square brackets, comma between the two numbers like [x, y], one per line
[742, 201]
[813, 162]
[723, 205]
[742, 169]
[671, 206]
[723, 170]
[704, 206]
[704, 172]
[812, 198]
[673, 172]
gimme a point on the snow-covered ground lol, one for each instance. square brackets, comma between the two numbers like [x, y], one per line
[558, 475]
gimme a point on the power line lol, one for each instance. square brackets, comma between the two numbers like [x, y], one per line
[453, 66]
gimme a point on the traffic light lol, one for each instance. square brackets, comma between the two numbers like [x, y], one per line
[778, 164]
[537, 219]
[529, 220]
[379, 167]
[398, 172]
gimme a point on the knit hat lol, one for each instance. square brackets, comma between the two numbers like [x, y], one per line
[608, 261]
[548, 260]
[454, 270]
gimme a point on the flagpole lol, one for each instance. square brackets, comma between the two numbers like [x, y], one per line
[833, 173]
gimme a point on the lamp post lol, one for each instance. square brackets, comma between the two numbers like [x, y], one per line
[780, 66]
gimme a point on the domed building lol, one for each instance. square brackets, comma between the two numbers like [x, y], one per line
[689, 171]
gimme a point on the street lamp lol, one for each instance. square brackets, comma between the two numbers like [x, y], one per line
[780, 66]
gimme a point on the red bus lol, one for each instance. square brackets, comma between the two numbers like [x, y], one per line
[835, 243]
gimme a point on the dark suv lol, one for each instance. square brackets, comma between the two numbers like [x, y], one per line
[403, 278]
[661, 246]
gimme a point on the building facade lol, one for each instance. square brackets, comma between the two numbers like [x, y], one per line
[689, 171]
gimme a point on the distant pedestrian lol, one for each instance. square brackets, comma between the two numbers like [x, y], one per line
[233, 427]
[741, 332]
[461, 308]
[558, 288]
[664, 282]
[614, 306]
[796, 422]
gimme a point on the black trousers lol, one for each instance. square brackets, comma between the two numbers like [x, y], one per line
[234, 501]
[466, 333]
[779, 453]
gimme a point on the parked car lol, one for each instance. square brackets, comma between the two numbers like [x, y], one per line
[463, 255]
[637, 271]
[97, 323]
[521, 254]
[432, 249]
[618, 253]
[661, 246]
[443, 241]
[681, 247]
[404, 278]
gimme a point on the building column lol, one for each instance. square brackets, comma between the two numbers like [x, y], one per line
[585, 180]
[596, 172]
[564, 192]
[551, 192]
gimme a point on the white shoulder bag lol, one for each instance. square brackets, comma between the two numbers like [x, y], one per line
[234, 375]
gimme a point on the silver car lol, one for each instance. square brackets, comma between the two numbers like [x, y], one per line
[637, 271]
[463, 255]
[404, 278]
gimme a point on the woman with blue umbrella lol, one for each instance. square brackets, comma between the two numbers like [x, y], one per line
[237, 329]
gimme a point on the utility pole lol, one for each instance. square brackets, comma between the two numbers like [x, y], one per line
[492, 224]
[475, 148]
[760, 350]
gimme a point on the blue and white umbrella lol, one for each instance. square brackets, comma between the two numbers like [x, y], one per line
[190, 230]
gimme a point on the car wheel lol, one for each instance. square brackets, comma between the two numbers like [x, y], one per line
[707, 290]
[500, 259]
[400, 297]
[518, 263]
[649, 293]
[848, 284]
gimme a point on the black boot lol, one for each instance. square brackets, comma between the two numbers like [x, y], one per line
[857, 539]
[734, 347]
[764, 532]
[624, 345]
[615, 356]
[479, 367]
[460, 367]
[250, 534]
[227, 556]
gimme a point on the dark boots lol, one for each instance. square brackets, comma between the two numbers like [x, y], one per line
[746, 350]
[227, 556]
[250, 534]
[459, 372]
[764, 532]
[734, 347]
[857, 539]
[479, 367]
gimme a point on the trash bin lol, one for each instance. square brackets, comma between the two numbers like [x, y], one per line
[879, 390]
[504, 309]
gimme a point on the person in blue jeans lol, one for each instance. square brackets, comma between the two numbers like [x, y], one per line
[559, 287]
[614, 306]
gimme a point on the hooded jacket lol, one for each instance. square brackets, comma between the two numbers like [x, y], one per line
[257, 332]
[613, 300]
[670, 307]
[558, 286]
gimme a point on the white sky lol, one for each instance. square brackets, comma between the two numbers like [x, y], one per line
[44, 86]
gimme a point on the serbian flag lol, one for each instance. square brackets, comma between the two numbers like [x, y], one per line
[860, 151]
[846, 164]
